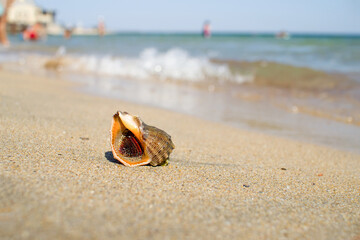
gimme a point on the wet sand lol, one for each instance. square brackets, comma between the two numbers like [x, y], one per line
[316, 93]
[59, 179]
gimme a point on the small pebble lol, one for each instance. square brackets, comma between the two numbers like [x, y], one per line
[283, 168]
[245, 185]
[294, 109]
[84, 138]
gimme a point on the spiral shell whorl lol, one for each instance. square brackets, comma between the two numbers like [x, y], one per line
[158, 144]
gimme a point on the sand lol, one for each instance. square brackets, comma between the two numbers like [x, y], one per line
[58, 179]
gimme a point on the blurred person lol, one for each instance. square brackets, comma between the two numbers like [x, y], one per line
[34, 32]
[4, 7]
[206, 29]
[68, 33]
[101, 26]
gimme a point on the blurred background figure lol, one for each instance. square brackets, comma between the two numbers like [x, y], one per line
[283, 35]
[67, 33]
[206, 29]
[4, 6]
[101, 26]
[34, 32]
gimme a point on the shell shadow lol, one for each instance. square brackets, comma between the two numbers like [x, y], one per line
[110, 157]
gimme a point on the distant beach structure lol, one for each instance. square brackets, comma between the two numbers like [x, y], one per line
[206, 29]
[25, 13]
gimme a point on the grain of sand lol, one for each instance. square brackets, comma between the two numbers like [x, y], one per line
[58, 179]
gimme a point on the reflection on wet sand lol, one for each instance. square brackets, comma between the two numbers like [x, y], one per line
[309, 113]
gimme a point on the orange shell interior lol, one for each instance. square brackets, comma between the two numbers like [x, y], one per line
[119, 126]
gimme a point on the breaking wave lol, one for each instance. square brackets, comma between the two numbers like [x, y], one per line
[174, 65]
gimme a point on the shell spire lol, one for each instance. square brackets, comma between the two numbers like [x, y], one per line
[135, 143]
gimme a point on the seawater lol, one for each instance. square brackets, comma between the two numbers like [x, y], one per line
[215, 78]
[334, 53]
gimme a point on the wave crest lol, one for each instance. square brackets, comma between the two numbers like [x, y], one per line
[174, 64]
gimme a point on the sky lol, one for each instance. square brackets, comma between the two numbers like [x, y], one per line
[313, 16]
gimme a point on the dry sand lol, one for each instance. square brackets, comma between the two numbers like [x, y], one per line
[58, 179]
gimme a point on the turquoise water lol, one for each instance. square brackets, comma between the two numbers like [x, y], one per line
[334, 53]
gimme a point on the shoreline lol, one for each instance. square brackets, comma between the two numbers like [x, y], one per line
[275, 111]
[59, 179]
[282, 100]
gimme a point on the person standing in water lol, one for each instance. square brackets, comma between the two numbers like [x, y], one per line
[101, 26]
[4, 7]
[206, 29]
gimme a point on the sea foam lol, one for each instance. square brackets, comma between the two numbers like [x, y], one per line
[175, 65]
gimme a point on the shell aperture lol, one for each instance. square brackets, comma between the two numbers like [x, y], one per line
[130, 146]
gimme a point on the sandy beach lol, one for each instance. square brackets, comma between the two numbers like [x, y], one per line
[60, 181]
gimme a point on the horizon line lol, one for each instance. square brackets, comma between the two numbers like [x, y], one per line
[235, 32]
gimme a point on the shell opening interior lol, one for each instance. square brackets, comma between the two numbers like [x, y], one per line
[129, 145]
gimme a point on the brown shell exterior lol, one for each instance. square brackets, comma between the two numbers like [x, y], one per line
[156, 143]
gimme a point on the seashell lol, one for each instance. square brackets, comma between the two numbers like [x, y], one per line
[135, 143]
